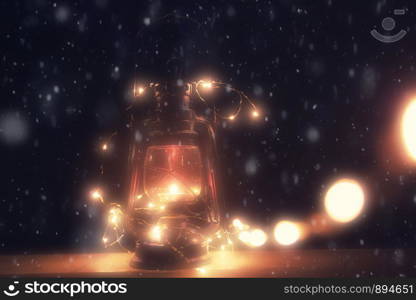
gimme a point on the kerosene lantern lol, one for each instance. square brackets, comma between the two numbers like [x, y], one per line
[172, 218]
[173, 205]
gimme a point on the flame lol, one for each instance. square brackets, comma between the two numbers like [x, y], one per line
[174, 189]
[196, 190]
[155, 233]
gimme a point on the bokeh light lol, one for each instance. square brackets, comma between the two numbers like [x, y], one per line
[238, 225]
[409, 129]
[344, 200]
[287, 233]
[138, 90]
[96, 195]
[115, 216]
[253, 238]
[206, 84]
[14, 129]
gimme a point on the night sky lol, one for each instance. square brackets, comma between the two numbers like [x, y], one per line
[330, 94]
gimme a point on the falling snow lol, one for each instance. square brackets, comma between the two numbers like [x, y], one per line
[326, 88]
[13, 128]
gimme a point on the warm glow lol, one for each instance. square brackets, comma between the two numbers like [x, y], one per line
[105, 240]
[287, 233]
[201, 270]
[104, 147]
[232, 117]
[196, 190]
[173, 189]
[155, 234]
[114, 216]
[96, 195]
[255, 114]
[206, 84]
[344, 200]
[409, 129]
[172, 173]
[237, 224]
[253, 238]
[156, 206]
[138, 91]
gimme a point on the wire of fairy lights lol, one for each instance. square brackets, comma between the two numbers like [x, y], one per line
[286, 232]
[200, 87]
[223, 239]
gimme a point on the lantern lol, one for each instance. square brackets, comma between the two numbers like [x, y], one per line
[173, 205]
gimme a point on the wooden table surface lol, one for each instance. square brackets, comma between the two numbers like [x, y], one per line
[252, 263]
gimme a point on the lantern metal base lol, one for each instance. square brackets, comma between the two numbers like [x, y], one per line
[162, 257]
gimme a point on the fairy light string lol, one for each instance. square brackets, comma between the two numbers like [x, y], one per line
[220, 240]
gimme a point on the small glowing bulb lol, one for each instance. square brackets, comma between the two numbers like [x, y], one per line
[206, 84]
[150, 205]
[96, 195]
[287, 233]
[114, 220]
[114, 216]
[255, 114]
[232, 117]
[105, 240]
[104, 147]
[238, 224]
[344, 200]
[138, 91]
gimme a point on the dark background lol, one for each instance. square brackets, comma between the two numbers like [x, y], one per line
[330, 93]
